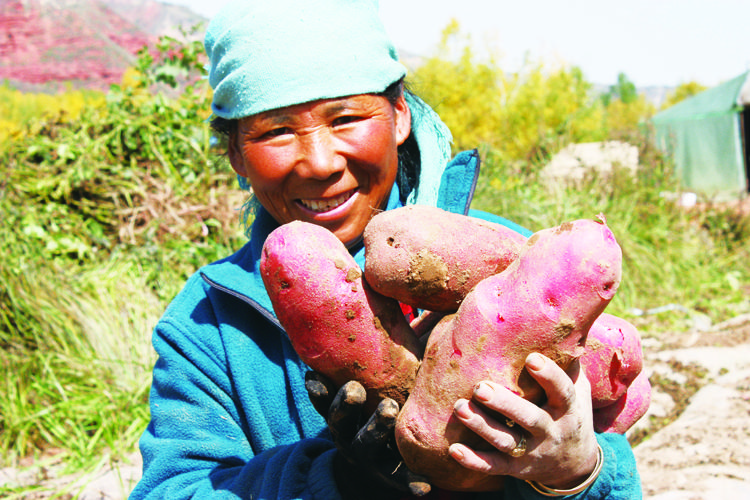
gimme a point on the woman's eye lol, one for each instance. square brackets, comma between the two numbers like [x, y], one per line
[343, 120]
[276, 132]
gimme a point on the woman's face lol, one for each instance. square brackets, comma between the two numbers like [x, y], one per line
[331, 162]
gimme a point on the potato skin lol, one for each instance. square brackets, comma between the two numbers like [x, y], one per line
[430, 258]
[620, 416]
[613, 358]
[545, 301]
[338, 325]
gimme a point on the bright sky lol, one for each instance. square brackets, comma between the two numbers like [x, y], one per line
[654, 42]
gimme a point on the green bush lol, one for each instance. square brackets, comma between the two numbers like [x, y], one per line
[695, 259]
[104, 217]
[522, 116]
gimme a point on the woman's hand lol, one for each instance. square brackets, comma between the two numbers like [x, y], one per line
[368, 464]
[553, 444]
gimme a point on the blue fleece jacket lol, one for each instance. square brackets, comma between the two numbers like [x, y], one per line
[230, 416]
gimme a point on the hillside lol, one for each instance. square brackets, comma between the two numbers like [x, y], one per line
[47, 44]
[155, 18]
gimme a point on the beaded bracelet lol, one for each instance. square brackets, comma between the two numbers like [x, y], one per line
[552, 492]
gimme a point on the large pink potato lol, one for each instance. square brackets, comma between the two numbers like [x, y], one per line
[545, 301]
[613, 358]
[336, 323]
[430, 258]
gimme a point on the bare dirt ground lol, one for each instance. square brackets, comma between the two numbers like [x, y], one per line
[693, 444]
[703, 379]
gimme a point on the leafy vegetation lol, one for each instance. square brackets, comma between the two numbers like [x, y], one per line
[20, 109]
[104, 217]
[695, 259]
[521, 116]
[106, 214]
[682, 92]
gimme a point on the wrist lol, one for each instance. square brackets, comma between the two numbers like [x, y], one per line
[581, 486]
[574, 477]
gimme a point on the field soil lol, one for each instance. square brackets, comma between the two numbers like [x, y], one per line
[702, 393]
[693, 444]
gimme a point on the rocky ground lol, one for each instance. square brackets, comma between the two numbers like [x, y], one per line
[694, 443]
[703, 379]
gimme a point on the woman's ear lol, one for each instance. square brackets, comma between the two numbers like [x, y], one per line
[403, 120]
[234, 152]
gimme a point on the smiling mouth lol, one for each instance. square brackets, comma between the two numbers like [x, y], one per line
[326, 204]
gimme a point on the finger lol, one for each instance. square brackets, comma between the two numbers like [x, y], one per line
[418, 485]
[392, 471]
[556, 383]
[345, 412]
[494, 431]
[481, 461]
[370, 445]
[398, 476]
[579, 378]
[394, 474]
[424, 323]
[375, 434]
[320, 390]
[513, 409]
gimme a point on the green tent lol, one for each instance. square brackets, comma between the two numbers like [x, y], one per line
[707, 135]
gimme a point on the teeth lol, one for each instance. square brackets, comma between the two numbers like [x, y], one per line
[327, 204]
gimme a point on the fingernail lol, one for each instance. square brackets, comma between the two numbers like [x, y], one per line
[535, 361]
[455, 452]
[462, 408]
[483, 392]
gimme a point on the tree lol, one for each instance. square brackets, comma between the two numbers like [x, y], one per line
[682, 92]
[625, 108]
[519, 115]
[624, 90]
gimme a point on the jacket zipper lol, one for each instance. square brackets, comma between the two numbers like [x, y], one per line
[247, 300]
[475, 154]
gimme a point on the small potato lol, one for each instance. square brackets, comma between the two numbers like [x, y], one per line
[613, 358]
[620, 416]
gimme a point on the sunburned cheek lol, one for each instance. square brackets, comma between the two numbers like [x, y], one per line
[372, 141]
[269, 166]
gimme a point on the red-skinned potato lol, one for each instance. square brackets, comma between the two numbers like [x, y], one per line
[430, 258]
[613, 358]
[620, 416]
[545, 301]
[338, 325]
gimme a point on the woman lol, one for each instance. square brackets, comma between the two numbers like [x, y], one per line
[310, 95]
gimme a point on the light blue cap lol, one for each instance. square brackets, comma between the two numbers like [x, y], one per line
[271, 54]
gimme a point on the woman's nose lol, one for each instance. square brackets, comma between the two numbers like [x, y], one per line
[319, 158]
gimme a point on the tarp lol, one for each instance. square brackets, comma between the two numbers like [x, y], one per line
[705, 137]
